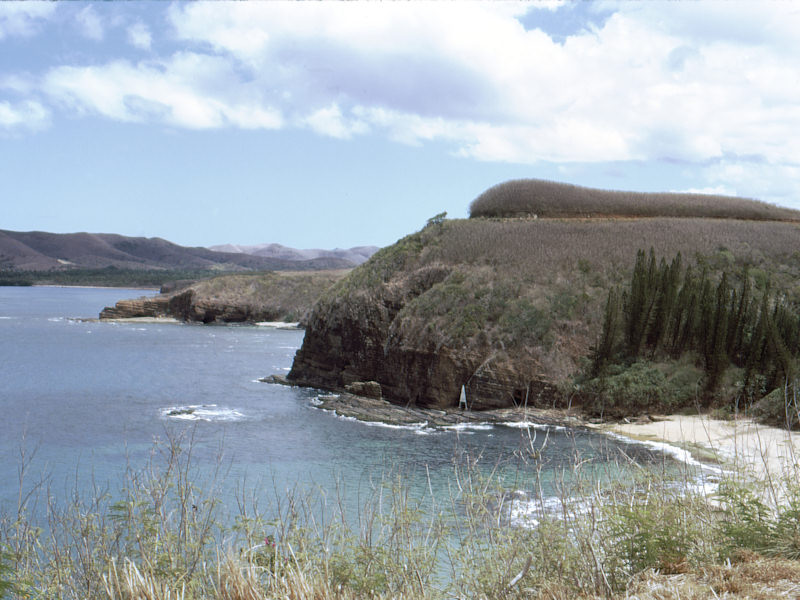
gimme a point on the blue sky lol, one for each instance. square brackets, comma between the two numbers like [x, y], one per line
[342, 124]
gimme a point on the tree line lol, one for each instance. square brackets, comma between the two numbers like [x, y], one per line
[668, 310]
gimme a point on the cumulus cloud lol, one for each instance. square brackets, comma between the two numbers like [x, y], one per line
[23, 18]
[189, 90]
[637, 88]
[139, 36]
[712, 85]
[23, 115]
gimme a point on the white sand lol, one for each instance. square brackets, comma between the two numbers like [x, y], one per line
[740, 444]
[139, 320]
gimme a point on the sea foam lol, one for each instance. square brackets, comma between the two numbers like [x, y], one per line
[202, 412]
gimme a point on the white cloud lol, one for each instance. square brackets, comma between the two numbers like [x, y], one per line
[23, 115]
[717, 190]
[637, 88]
[90, 23]
[139, 36]
[715, 86]
[331, 122]
[189, 90]
[23, 18]
[776, 183]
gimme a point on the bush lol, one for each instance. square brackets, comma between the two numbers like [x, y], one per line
[642, 387]
[775, 409]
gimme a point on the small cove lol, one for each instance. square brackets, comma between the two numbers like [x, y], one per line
[85, 399]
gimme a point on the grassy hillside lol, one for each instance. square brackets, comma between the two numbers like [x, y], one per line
[276, 296]
[529, 197]
[511, 308]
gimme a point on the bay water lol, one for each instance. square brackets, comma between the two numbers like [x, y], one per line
[82, 400]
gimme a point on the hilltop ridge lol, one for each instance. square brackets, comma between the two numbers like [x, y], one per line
[549, 199]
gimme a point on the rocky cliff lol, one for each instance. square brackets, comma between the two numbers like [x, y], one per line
[509, 308]
[233, 299]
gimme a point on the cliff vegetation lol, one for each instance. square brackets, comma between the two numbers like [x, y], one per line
[234, 298]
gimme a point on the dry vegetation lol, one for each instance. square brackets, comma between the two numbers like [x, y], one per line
[286, 295]
[163, 536]
[535, 197]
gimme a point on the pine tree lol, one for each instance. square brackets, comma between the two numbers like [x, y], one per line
[611, 329]
[716, 358]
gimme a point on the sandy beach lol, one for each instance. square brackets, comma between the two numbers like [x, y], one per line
[739, 444]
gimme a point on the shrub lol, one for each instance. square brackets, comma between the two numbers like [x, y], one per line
[629, 390]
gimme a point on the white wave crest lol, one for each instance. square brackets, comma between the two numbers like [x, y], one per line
[532, 425]
[278, 324]
[201, 412]
[678, 454]
[469, 427]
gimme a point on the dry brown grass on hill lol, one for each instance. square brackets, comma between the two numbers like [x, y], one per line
[288, 295]
[528, 197]
[538, 250]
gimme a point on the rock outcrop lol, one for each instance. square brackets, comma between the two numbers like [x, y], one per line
[156, 306]
[233, 299]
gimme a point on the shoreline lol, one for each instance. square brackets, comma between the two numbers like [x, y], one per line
[741, 444]
[94, 287]
[133, 320]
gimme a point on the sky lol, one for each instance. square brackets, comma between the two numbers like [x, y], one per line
[324, 124]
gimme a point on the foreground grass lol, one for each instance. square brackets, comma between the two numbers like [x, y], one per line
[162, 537]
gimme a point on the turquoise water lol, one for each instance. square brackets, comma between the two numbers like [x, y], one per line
[87, 398]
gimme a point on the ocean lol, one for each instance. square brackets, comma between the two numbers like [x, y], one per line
[84, 400]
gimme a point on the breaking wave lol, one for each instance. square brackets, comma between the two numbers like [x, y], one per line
[201, 412]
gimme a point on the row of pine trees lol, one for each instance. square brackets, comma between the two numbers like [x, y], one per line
[669, 310]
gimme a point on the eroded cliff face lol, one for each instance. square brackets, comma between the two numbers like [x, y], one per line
[189, 306]
[351, 339]
[378, 332]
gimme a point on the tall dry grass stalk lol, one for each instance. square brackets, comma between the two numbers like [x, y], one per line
[648, 534]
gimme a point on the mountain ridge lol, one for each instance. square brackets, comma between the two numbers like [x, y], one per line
[356, 254]
[44, 251]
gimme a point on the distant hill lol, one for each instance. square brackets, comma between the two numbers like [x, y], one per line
[41, 251]
[356, 255]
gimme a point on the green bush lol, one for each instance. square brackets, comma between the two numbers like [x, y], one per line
[630, 390]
